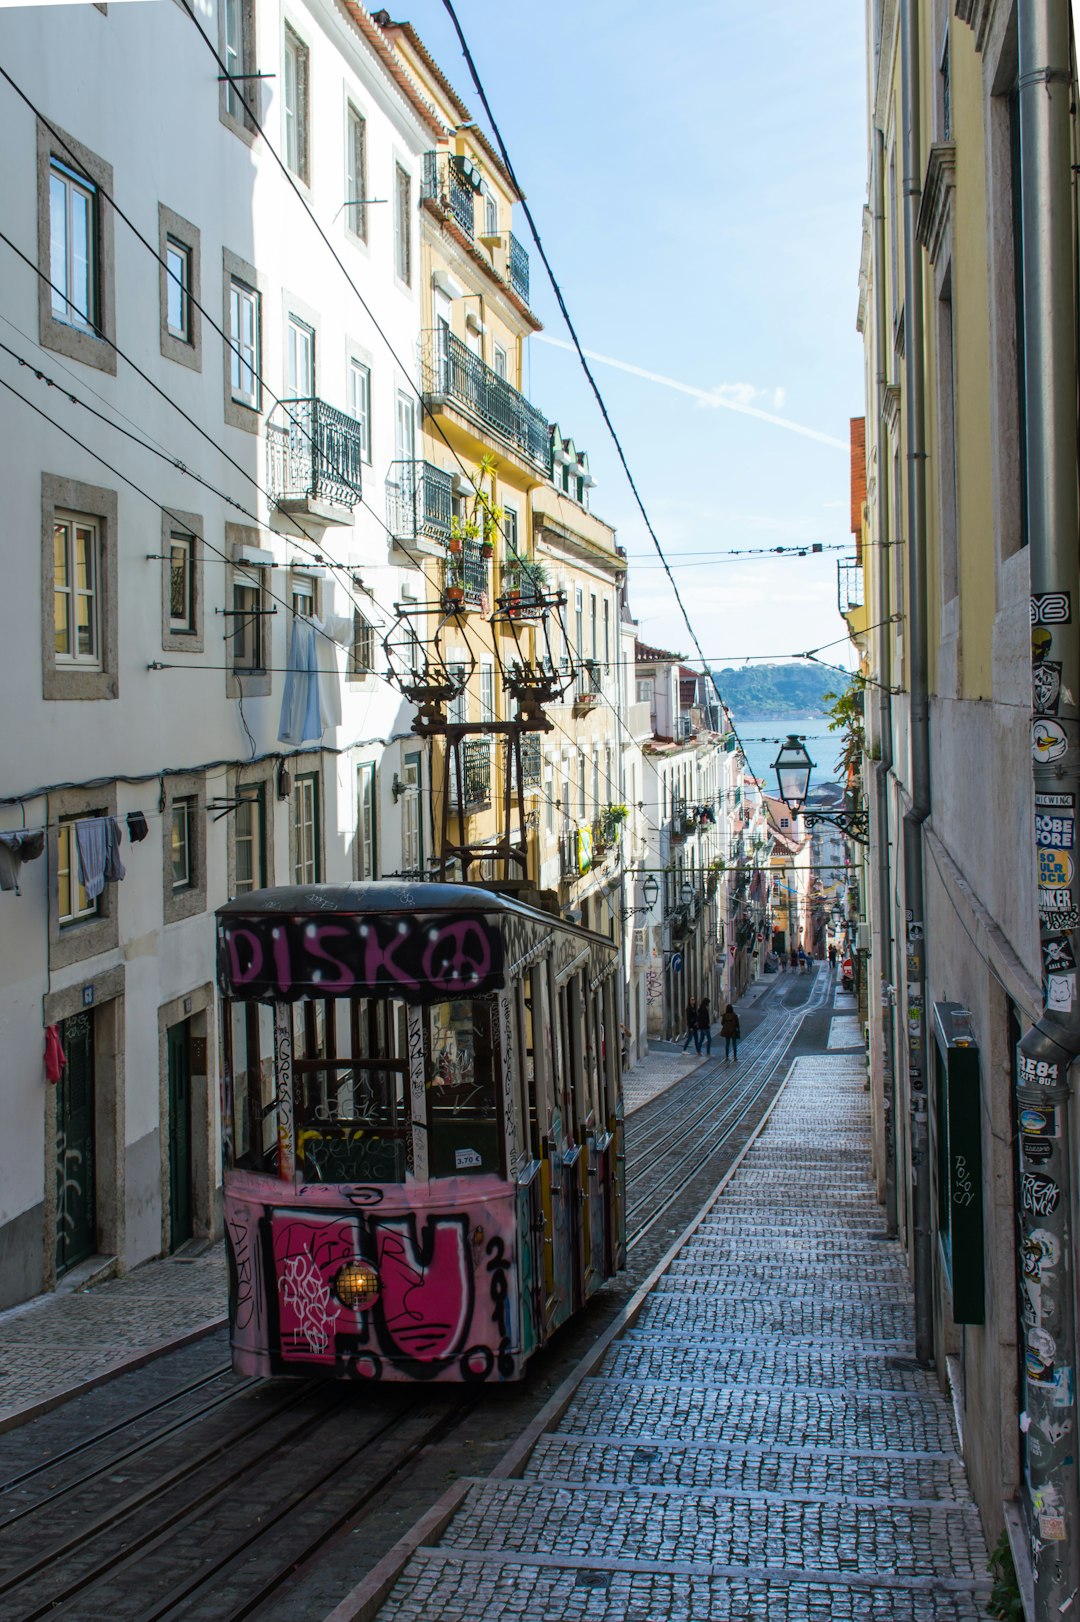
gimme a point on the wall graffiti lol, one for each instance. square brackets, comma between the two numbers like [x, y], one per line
[448, 1303]
[418, 959]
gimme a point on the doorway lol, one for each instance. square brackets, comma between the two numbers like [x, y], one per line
[76, 1206]
[181, 1201]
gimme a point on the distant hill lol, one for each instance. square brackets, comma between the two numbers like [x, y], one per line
[766, 690]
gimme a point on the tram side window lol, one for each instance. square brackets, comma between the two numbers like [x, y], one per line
[254, 1114]
[463, 1129]
[352, 1110]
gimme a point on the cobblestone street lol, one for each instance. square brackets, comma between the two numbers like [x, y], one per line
[760, 1443]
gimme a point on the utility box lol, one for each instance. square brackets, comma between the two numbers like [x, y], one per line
[958, 1127]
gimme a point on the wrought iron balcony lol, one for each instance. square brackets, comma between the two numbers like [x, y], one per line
[589, 686]
[444, 183]
[419, 500]
[313, 455]
[850, 585]
[475, 775]
[569, 863]
[518, 268]
[521, 591]
[467, 576]
[531, 760]
[451, 372]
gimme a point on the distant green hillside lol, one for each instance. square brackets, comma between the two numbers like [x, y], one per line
[764, 690]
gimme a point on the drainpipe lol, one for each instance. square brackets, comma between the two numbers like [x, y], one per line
[1047, 1052]
[919, 711]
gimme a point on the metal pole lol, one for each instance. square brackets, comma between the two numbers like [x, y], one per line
[1046, 1052]
[918, 699]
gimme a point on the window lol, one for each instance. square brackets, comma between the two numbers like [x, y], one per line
[244, 341]
[457, 710]
[412, 842]
[235, 56]
[491, 213]
[593, 648]
[510, 530]
[182, 584]
[249, 840]
[356, 173]
[296, 62]
[487, 691]
[302, 597]
[499, 361]
[305, 797]
[405, 428]
[73, 903]
[73, 269]
[360, 404]
[247, 621]
[178, 293]
[182, 837]
[300, 358]
[366, 848]
[402, 225]
[77, 590]
[549, 801]
[362, 655]
[581, 788]
[607, 633]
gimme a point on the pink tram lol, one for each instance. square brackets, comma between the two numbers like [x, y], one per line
[422, 1129]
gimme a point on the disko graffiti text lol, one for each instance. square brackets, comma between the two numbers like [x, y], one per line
[417, 959]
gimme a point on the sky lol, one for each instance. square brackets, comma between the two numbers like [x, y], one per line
[697, 175]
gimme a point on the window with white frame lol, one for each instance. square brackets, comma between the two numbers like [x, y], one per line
[412, 841]
[360, 404]
[244, 342]
[235, 56]
[510, 530]
[178, 289]
[300, 359]
[182, 583]
[402, 225]
[366, 845]
[362, 653]
[77, 590]
[457, 710]
[182, 837]
[356, 173]
[607, 633]
[302, 596]
[405, 428]
[305, 804]
[581, 788]
[295, 103]
[499, 362]
[491, 212]
[549, 800]
[249, 840]
[73, 903]
[487, 691]
[73, 246]
[596, 781]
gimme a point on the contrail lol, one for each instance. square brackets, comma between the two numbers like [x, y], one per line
[705, 395]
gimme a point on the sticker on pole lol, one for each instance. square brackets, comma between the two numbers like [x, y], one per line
[1051, 608]
[1055, 869]
[1048, 741]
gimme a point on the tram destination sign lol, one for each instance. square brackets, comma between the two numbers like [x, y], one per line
[422, 958]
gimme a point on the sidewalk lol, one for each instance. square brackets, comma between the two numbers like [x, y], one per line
[758, 1443]
[55, 1346]
[668, 1062]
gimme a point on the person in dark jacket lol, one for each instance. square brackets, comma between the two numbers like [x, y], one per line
[692, 1032]
[730, 1031]
[704, 1026]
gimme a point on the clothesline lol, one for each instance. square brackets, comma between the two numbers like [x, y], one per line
[97, 849]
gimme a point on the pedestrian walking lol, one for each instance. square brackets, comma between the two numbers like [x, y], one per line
[704, 1026]
[730, 1031]
[692, 1032]
[794, 958]
[802, 961]
[832, 956]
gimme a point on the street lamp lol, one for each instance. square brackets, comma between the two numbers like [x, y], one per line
[650, 891]
[793, 767]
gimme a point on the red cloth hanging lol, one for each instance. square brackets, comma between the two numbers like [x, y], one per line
[55, 1058]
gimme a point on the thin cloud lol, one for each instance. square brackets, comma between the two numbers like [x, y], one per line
[708, 397]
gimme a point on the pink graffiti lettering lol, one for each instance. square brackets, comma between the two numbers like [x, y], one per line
[427, 1288]
[308, 1251]
[382, 957]
[240, 974]
[448, 962]
[316, 946]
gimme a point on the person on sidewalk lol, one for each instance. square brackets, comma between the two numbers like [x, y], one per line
[704, 1026]
[730, 1030]
[692, 1032]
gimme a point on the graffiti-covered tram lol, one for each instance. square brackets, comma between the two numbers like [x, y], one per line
[421, 1127]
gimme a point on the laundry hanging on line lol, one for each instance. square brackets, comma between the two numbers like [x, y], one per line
[311, 698]
[20, 846]
[97, 840]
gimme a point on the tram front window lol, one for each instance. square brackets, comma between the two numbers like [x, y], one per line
[462, 1114]
[351, 1066]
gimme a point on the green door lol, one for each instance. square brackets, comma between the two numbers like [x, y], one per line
[76, 1227]
[180, 1203]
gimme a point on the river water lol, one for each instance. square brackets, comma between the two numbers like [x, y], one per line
[763, 735]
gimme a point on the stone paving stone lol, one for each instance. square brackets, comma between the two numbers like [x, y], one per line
[760, 1445]
[845, 1032]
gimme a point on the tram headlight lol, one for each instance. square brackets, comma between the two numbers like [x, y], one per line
[356, 1285]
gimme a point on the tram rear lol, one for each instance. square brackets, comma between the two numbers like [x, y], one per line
[422, 1129]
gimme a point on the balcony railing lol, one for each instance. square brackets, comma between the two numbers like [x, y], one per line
[569, 862]
[521, 591]
[588, 688]
[419, 500]
[452, 372]
[518, 268]
[445, 184]
[849, 585]
[313, 453]
[475, 774]
[467, 579]
[531, 760]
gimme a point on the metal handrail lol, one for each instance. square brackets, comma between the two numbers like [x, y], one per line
[419, 500]
[469, 570]
[518, 268]
[313, 452]
[442, 183]
[450, 371]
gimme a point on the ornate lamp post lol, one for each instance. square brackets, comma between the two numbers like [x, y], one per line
[793, 767]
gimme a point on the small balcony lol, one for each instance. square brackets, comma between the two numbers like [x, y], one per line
[521, 591]
[453, 375]
[313, 460]
[531, 760]
[445, 182]
[419, 501]
[570, 855]
[517, 266]
[475, 790]
[588, 689]
[467, 579]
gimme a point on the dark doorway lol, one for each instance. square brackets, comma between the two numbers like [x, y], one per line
[178, 1040]
[76, 1224]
